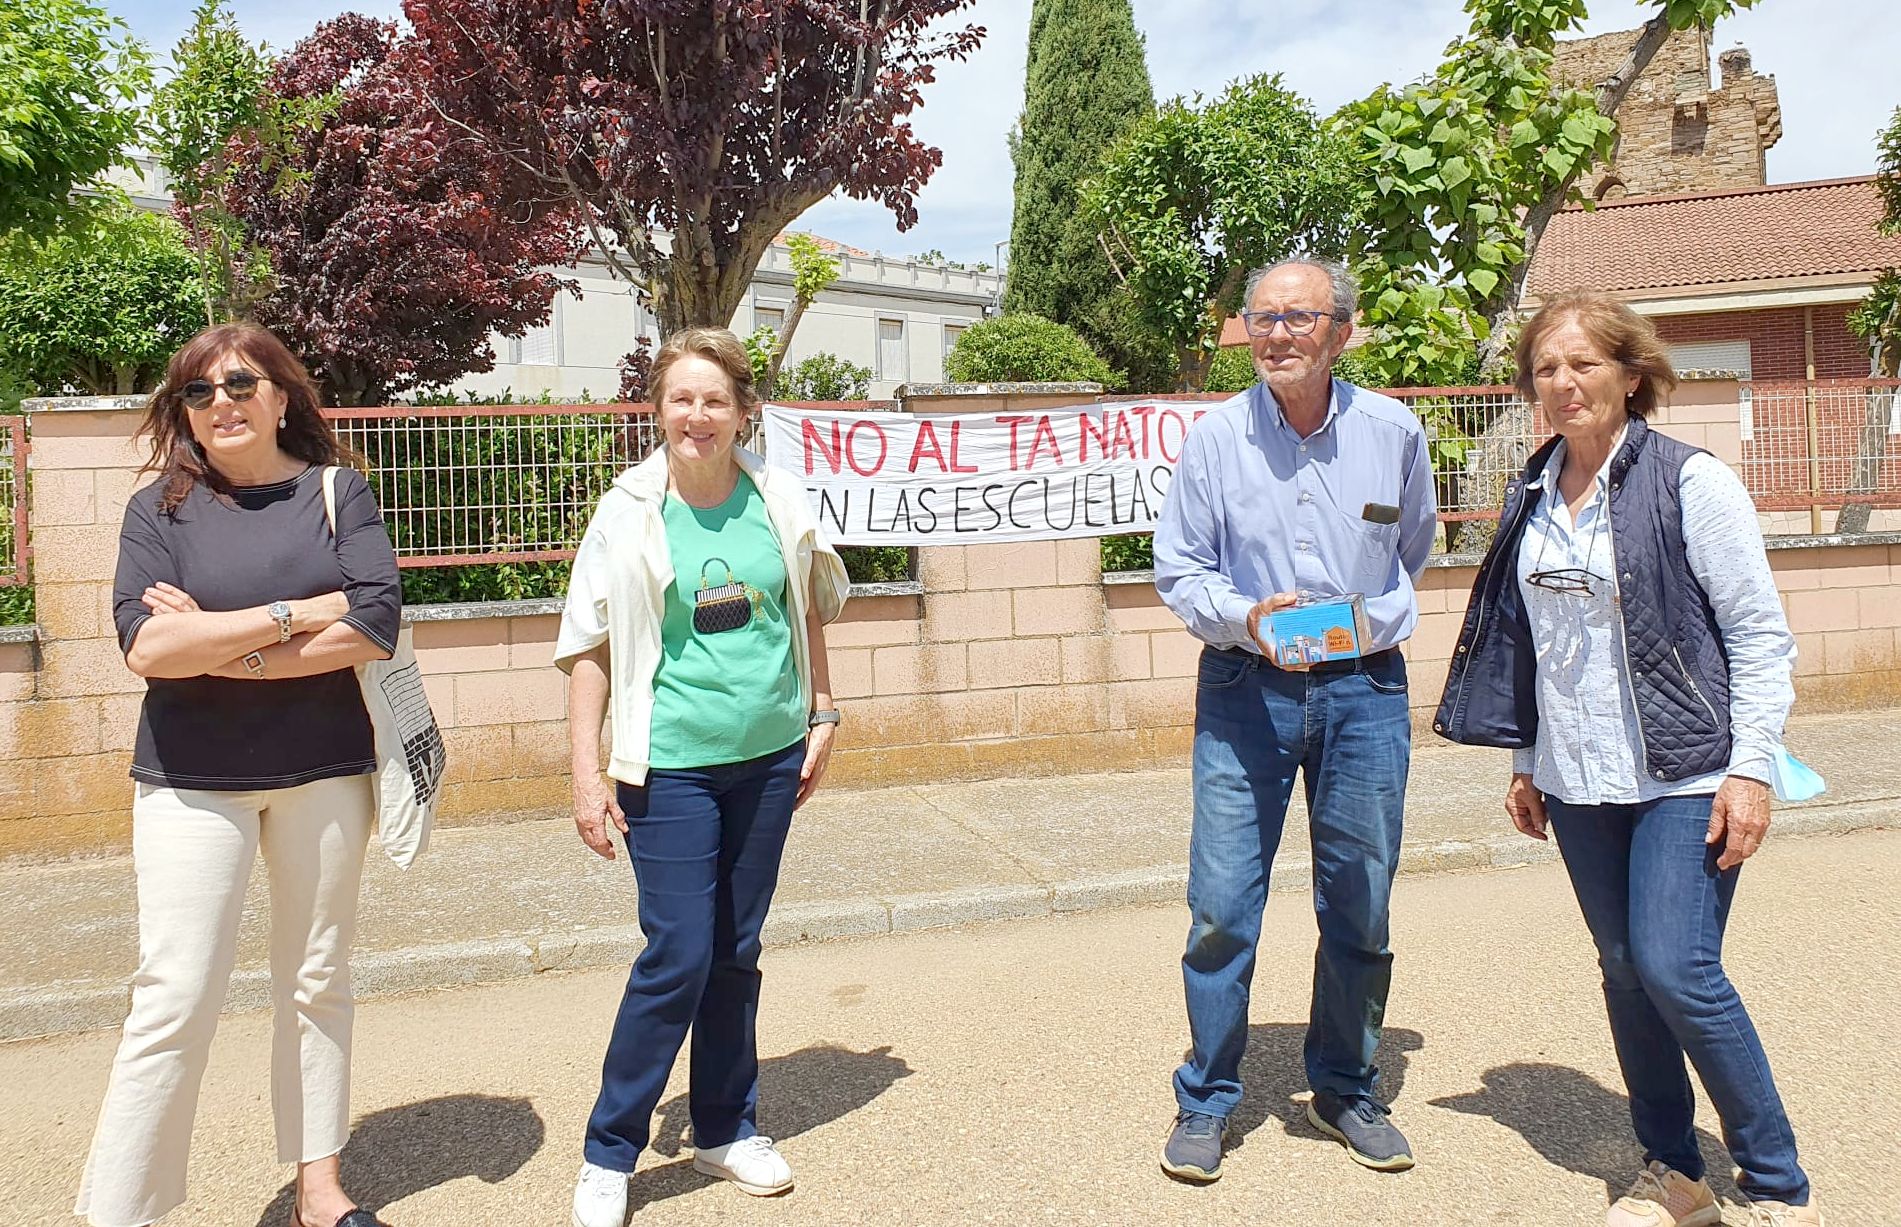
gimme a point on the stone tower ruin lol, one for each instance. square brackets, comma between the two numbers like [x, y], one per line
[1679, 131]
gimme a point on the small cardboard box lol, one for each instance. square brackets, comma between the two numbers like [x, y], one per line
[1319, 630]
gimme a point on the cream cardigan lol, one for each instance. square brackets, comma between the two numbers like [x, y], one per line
[617, 593]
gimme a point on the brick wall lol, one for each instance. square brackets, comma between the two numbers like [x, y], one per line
[1776, 339]
[1013, 659]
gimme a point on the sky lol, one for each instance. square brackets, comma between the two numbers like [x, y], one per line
[1833, 61]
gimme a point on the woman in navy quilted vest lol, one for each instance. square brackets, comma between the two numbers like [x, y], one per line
[1625, 640]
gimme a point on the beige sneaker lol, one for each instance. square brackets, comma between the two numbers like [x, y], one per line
[1665, 1197]
[1780, 1214]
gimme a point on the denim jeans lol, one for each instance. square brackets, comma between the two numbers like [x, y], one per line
[1349, 735]
[1656, 906]
[705, 844]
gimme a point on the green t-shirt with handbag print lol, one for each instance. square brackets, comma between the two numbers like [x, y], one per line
[727, 689]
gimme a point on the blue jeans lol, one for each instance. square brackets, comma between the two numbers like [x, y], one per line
[1349, 735]
[1656, 906]
[705, 845]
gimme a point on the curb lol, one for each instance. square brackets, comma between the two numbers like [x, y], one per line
[72, 1006]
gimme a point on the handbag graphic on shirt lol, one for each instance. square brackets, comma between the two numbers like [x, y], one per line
[722, 607]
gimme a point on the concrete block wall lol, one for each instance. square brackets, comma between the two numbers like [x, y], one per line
[1008, 659]
[68, 705]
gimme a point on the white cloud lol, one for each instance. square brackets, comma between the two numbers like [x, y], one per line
[1833, 62]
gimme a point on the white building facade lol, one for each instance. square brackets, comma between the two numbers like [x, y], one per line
[897, 317]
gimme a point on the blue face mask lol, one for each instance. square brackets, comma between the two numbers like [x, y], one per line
[1793, 779]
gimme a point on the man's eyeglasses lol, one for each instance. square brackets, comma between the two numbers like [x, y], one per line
[1299, 323]
[1572, 581]
[238, 385]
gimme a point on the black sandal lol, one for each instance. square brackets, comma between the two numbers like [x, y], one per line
[358, 1217]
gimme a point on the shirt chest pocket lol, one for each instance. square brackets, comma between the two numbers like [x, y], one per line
[1372, 554]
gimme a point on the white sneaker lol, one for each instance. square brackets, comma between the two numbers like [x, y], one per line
[751, 1163]
[600, 1198]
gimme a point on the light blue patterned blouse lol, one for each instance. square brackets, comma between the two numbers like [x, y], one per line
[1588, 740]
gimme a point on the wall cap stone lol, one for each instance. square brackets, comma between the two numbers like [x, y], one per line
[84, 404]
[1077, 387]
[1830, 540]
[1825, 541]
[20, 634]
[535, 607]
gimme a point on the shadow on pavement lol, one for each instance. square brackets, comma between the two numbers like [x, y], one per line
[1274, 1070]
[797, 1092]
[1575, 1122]
[400, 1151]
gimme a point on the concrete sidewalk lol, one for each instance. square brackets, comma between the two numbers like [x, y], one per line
[495, 902]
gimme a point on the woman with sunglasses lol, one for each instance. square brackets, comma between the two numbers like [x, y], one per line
[246, 616]
[1625, 639]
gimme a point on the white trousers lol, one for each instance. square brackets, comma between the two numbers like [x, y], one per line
[192, 851]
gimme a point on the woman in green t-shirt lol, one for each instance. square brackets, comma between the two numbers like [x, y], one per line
[697, 606]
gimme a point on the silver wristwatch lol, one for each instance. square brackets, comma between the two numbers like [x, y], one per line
[828, 716]
[281, 611]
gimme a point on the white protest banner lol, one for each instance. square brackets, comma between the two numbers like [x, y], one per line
[963, 478]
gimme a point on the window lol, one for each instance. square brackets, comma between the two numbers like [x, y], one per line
[1712, 356]
[540, 345]
[768, 317]
[892, 359]
[951, 333]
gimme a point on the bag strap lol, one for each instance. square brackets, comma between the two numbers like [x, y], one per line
[330, 497]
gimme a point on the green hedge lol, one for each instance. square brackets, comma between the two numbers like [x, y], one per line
[16, 605]
[1131, 552]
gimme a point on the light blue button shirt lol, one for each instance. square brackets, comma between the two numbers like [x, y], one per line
[1588, 737]
[1255, 509]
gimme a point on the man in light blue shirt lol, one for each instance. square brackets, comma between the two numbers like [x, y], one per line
[1303, 486]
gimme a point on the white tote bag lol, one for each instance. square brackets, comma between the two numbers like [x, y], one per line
[410, 756]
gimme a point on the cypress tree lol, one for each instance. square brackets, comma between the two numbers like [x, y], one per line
[1085, 83]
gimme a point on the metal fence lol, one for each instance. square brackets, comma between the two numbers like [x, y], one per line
[462, 484]
[14, 552]
[474, 483]
[1821, 445]
[1481, 438]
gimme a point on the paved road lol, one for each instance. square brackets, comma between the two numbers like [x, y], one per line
[488, 902]
[1016, 1072]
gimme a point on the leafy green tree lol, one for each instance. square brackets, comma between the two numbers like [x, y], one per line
[70, 80]
[1086, 84]
[1878, 319]
[99, 307]
[218, 102]
[824, 377]
[812, 271]
[1195, 197]
[1464, 169]
[1231, 371]
[1025, 348]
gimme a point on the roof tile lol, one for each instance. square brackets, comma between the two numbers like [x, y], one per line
[1754, 234]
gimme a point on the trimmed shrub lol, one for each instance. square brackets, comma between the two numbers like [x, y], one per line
[1025, 348]
[823, 377]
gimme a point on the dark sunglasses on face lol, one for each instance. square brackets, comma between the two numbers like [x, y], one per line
[238, 385]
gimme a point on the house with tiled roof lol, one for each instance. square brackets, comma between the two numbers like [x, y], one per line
[1757, 280]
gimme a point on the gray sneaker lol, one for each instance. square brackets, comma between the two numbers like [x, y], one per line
[1360, 1123]
[1193, 1152]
